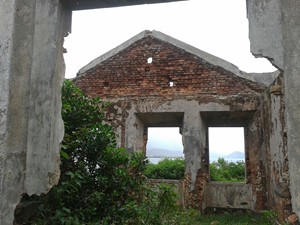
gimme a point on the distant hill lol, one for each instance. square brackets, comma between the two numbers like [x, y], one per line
[236, 155]
[163, 153]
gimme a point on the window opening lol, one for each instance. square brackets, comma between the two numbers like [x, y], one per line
[171, 83]
[164, 142]
[227, 154]
[164, 151]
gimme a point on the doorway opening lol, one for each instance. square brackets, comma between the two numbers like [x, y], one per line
[227, 154]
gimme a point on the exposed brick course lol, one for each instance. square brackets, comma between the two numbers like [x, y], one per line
[128, 74]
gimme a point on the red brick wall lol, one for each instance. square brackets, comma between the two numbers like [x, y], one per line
[128, 74]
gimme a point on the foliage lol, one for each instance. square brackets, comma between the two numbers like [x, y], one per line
[156, 208]
[223, 170]
[99, 184]
[166, 169]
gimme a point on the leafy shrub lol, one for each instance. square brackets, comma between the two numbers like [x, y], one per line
[99, 184]
[166, 169]
[223, 170]
[157, 207]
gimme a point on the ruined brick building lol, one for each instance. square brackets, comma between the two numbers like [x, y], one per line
[155, 80]
[31, 127]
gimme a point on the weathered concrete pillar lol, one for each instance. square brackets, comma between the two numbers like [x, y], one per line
[31, 76]
[134, 132]
[275, 34]
[194, 142]
[291, 37]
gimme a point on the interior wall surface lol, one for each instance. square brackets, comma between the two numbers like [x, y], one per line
[274, 28]
[32, 71]
[277, 168]
[255, 171]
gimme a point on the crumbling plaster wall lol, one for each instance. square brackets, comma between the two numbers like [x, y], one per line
[32, 69]
[265, 140]
[231, 195]
[255, 172]
[273, 153]
[266, 152]
[136, 87]
[194, 134]
[275, 33]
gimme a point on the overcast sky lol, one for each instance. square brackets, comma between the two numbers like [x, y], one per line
[222, 140]
[216, 26]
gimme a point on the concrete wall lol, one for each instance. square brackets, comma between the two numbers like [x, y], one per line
[194, 135]
[254, 148]
[217, 194]
[275, 155]
[275, 33]
[31, 39]
[228, 195]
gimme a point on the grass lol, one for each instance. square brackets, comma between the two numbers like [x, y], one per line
[192, 217]
[232, 219]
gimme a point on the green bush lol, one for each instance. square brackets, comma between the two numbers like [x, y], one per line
[166, 169]
[99, 184]
[223, 170]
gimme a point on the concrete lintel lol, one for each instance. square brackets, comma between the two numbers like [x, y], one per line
[162, 119]
[227, 118]
[93, 4]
